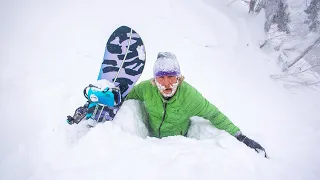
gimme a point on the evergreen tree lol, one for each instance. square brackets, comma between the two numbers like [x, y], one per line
[313, 15]
[282, 17]
[277, 13]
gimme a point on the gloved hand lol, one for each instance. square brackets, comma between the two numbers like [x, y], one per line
[251, 143]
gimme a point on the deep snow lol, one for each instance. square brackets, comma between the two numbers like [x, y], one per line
[51, 50]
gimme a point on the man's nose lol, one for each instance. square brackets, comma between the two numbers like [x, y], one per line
[166, 81]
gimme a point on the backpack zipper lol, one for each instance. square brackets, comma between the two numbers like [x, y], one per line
[163, 117]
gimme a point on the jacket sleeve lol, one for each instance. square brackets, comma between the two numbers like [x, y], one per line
[136, 93]
[203, 108]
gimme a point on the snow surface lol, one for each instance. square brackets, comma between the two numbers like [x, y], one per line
[51, 50]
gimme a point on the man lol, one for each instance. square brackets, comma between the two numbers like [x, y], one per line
[171, 102]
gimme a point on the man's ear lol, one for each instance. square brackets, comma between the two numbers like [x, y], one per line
[153, 81]
[181, 78]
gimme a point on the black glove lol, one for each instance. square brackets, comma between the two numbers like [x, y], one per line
[251, 143]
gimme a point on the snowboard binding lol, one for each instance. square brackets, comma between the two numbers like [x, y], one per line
[98, 100]
[108, 96]
[78, 115]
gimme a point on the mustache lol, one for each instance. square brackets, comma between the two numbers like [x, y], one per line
[168, 87]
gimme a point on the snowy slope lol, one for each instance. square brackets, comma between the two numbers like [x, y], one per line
[53, 49]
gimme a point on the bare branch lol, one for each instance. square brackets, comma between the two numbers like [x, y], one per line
[290, 49]
[263, 44]
[284, 77]
[231, 2]
[304, 53]
[316, 65]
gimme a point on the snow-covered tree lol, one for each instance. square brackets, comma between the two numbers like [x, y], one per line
[313, 11]
[282, 19]
[292, 28]
[277, 13]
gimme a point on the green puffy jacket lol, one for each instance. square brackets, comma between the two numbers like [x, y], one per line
[172, 117]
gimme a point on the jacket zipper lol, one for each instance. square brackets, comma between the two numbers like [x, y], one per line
[163, 117]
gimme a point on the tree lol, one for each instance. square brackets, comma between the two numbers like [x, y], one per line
[277, 13]
[313, 16]
[294, 39]
[282, 19]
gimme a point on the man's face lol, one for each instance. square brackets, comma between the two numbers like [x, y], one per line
[167, 85]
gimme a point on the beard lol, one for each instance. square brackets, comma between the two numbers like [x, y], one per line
[172, 87]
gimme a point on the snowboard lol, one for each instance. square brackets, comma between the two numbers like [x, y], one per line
[123, 63]
[124, 59]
